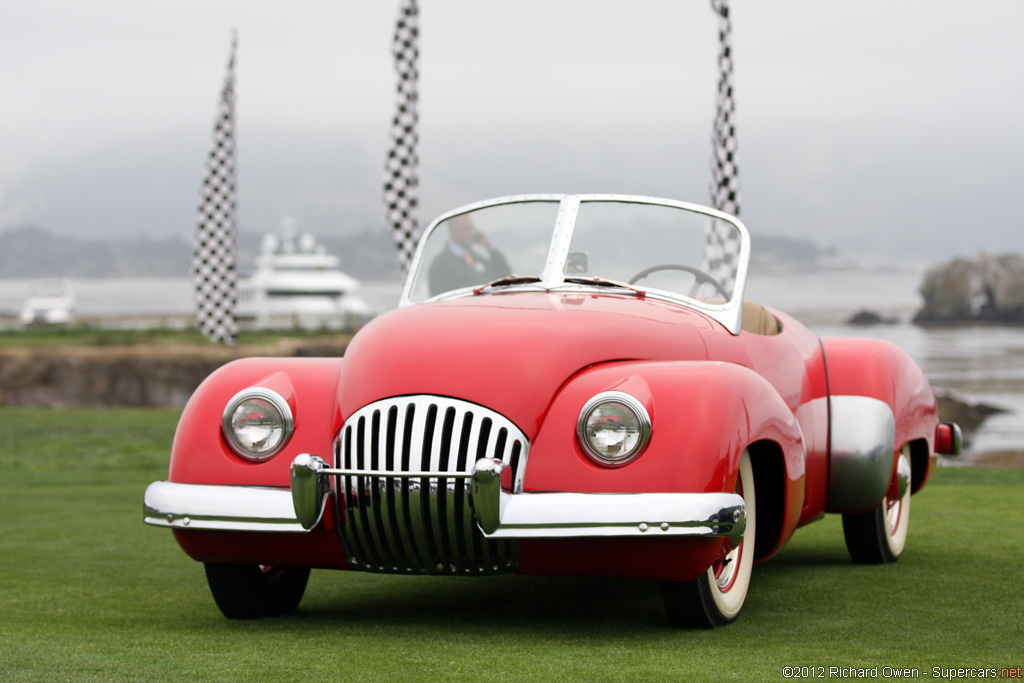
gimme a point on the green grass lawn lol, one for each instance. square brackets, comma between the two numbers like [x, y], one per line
[88, 592]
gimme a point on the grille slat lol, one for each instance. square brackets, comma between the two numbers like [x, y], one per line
[411, 496]
[462, 512]
[423, 525]
[428, 487]
[360, 489]
[391, 510]
[446, 493]
[398, 495]
[348, 486]
[378, 491]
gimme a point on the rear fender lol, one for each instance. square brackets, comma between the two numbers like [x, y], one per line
[200, 454]
[703, 414]
[879, 400]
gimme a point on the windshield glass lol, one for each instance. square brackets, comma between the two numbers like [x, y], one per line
[589, 241]
[655, 246]
[473, 248]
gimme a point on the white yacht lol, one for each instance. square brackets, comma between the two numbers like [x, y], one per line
[51, 302]
[298, 284]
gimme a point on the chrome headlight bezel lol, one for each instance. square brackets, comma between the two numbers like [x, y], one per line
[631, 405]
[272, 400]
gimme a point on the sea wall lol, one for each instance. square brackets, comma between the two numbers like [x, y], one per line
[130, 375]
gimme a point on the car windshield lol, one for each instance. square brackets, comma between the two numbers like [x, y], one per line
[475, 247]
[655, 246]
[636, 245]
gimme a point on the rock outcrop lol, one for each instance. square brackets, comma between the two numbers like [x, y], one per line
[865, 318]
[981, 288]
[969, 416]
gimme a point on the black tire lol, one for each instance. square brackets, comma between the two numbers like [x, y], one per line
[878, 536]
[250, 591]
[717, 596]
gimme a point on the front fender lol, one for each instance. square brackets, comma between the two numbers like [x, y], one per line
[200, 454]
[703, 415]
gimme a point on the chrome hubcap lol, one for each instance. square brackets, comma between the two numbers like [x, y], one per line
[894, 498]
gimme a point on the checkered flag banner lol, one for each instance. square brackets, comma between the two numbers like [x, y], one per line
[721, 241]
[725, 174]
[400, 180]
[213, 255]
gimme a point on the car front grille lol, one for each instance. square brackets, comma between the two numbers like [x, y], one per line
[394, 523]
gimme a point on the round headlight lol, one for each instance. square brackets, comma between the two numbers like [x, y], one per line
[613, 428]
[257, 423]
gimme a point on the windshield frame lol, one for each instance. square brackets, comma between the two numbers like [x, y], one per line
[553, 277]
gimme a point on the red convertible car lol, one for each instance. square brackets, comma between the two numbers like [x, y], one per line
[571, 384]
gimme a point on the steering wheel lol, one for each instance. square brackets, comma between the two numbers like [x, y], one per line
[700, 277]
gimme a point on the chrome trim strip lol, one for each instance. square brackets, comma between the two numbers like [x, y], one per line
[862, 452]
[224, 508]
[397, 475]
[574, 515]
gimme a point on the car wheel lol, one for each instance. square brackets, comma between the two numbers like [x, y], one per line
[878, 536]
[716, 598]
[250, 591]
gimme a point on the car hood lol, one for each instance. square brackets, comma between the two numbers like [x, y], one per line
[512, 352]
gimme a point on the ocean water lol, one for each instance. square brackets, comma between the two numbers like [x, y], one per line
[815, 298]
[978, 364]
[142, 301]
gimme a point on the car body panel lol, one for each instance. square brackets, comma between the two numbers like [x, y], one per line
[456, 343]
[200, 454]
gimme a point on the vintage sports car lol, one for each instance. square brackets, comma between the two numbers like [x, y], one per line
[570, 385]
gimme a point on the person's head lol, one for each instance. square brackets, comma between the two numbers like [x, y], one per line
[462, 231]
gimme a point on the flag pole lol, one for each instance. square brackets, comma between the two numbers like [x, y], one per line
[721, 248]
[400, 171]
[214, 274]
[725, 174]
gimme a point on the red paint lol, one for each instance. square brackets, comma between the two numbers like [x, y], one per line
[537, 358]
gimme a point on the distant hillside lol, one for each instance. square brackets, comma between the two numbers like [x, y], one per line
[33, 252]
[30, 252]
[777, 251]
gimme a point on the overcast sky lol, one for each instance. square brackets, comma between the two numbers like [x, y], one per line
[880, 127]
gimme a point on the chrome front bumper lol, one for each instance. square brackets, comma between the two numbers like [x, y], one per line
[552, 515]
[499, 514]
[224, 508]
